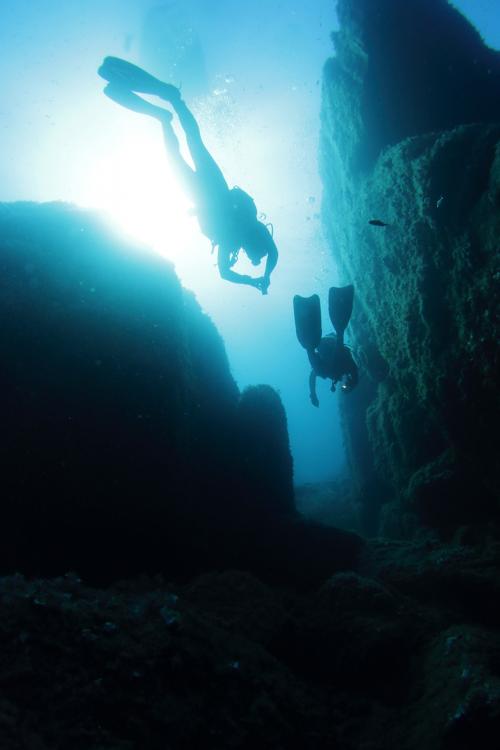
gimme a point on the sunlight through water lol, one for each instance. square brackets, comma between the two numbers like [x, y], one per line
[133, 185]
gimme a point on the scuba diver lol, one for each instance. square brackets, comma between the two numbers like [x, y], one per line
[329, 356]
[228, 217]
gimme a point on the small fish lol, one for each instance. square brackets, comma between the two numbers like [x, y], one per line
[439, 201]
[377, 223]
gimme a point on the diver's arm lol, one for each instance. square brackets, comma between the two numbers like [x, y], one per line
[224, 264]
[316, 362]
[312, 389]
[272, 259]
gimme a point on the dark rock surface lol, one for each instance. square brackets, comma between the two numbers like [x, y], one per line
[126, 447]
[406, 69]
[410, 135]
[111, 378]
[127, 451]
[395, 654]
[331, 503]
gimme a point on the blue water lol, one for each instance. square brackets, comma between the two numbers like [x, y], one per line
[252, 73]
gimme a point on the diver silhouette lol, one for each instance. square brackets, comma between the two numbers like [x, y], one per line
[328, 355]
[228, 217]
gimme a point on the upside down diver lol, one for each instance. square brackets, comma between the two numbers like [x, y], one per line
[227, 216]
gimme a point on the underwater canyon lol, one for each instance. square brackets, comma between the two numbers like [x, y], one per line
[160, 588]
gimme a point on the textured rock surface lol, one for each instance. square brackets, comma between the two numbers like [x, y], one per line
[410, 135]
[395, 655]
[405, 69]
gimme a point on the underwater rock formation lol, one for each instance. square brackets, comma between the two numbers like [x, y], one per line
[265, 458]
[126, 446]
[406, 69]
[111, 380]
[403, 653]
[410, 135]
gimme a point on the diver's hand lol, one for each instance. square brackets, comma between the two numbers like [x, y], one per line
[262, 284]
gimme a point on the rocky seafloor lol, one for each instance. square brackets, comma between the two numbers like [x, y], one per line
[403, 652]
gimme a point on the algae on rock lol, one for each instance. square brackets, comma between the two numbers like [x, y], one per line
[425, 160]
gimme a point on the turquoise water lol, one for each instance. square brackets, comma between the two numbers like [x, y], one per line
[251, 72]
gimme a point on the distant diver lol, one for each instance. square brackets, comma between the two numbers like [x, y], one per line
[228, 217]
[329, 356]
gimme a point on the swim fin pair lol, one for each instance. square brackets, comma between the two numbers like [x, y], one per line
[123, 74]
[307, 313]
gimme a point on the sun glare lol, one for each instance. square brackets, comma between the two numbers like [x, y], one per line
[134, 185]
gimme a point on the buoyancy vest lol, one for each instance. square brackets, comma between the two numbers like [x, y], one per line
[336, 360]
[225, 217]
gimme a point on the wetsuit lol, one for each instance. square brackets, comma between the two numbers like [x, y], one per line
[331, 360]
[220, 217]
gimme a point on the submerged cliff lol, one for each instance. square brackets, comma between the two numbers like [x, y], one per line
[126, 445]
[127, 449]
[410, 136]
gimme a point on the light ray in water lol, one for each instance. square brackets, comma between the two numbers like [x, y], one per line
[133, 185]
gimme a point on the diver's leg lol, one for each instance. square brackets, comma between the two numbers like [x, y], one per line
[183, 171]
[123, 73]
[131, 101]
[316, 363]
[205, 164]
[135, 103]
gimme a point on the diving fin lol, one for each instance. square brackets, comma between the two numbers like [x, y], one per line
[128, 99]
[307, 313]
[340, 302]
[126, 74]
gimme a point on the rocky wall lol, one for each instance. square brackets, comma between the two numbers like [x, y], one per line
[126, 446]
[410, 136]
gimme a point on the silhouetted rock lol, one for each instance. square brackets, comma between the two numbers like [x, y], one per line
[140, 666]
[126, 446]
[355, 634]
[265, 462]
[410, 134]
[114, 385]
[396, 655]
[404, 69]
